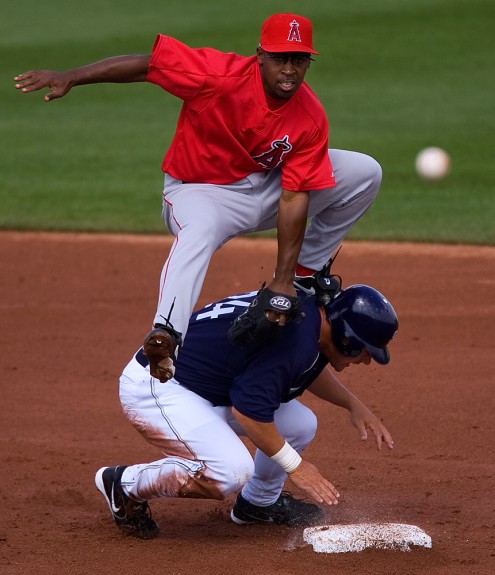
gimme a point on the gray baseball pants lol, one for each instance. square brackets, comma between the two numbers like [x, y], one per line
[203, 217]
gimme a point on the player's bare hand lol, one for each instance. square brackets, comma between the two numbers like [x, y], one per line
[364, 420]
[279, 318]
[309, 479]
[58, 83]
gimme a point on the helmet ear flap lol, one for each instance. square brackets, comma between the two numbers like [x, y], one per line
[344, 340]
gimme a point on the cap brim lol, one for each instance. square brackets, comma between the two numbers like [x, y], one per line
[288, 48]
[380, 354]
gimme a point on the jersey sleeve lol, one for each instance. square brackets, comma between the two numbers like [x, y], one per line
[309, 169]
[184, 71]
[257, 391]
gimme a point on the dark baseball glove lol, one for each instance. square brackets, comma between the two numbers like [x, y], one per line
[159, 347]
[254, 325]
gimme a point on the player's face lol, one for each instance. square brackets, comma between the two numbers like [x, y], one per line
[282, 73]
[336, 359]
[340, 362]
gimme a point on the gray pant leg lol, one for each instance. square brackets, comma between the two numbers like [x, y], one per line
[334, 212]
[202, 217]
[297, 424]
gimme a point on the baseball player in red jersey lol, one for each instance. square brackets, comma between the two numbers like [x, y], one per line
[250, 153]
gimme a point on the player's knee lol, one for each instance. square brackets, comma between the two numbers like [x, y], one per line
[223, 479]
[307, 430]
[376, 173]
[214, 482]
[302, 429]
[239, 472]
[372, 172]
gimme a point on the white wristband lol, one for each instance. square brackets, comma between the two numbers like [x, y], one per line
[287, 458]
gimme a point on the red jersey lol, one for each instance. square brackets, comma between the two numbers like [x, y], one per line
[226, 129]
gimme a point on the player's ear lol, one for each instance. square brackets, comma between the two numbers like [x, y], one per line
[259, 55]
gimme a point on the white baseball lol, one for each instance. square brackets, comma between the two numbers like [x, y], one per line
[433, 163]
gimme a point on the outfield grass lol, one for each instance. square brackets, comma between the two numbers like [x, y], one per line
[394, 76]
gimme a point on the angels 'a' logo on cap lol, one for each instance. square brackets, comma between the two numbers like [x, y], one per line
[294, 35]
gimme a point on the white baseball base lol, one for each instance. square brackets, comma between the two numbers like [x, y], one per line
[359, 536]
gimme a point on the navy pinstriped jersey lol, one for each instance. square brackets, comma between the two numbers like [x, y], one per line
[255, 379]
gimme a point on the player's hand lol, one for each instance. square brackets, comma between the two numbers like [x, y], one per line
[307, 477]
[57, 82]
[363, 420]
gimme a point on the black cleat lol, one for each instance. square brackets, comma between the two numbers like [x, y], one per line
[324, 287]
[132, 517]
[285, 511]
[322, 284]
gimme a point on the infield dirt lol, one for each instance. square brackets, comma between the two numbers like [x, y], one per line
[75, 307]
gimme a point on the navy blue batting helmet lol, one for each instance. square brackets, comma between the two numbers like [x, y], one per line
[361, 317]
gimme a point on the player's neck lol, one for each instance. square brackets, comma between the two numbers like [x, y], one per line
[275, 103]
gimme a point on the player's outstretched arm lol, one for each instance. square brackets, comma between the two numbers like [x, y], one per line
[328, 387]
[291, 225]
[306, 476]
[117, 69]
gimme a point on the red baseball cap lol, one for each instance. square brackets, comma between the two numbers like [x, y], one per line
[287, 33]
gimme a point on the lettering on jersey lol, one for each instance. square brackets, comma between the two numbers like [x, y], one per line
[294, 35]
[227, 306]
[273, 157]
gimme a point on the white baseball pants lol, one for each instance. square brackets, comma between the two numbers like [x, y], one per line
[203, 455]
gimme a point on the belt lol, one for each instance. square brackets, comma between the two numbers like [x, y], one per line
[141, 358]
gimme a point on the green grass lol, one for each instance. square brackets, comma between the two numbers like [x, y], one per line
[394, 76]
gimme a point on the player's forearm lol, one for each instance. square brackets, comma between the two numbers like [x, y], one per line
[117, 69]
[329, 388]
[264, 436]
[291, 225]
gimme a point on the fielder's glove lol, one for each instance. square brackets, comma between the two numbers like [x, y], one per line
[160, 346]
[254, 325]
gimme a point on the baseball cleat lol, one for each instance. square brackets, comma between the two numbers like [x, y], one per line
[285, 511]
[323, 284]
[159, 347]
[131, 517]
